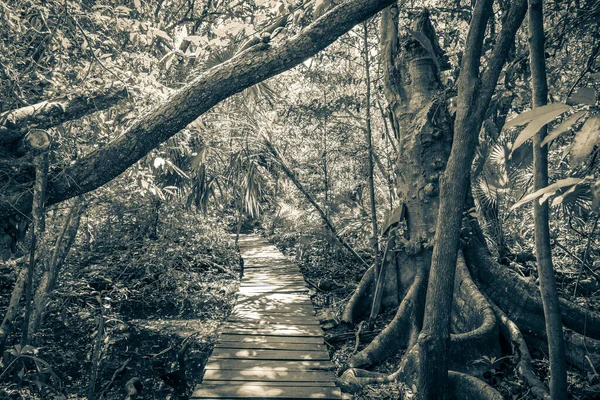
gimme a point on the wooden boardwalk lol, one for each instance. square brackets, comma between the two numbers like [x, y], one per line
[272, 346]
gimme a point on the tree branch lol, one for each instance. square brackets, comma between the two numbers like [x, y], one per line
[215, 85]
[14, 124]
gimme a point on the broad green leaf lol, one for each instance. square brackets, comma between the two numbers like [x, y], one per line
[550, 189]
[162, 34]
[585, 140]
[122, 10]
[528, 116]
[196, 40]
[538, 122]
[563, 127]
[583, 96]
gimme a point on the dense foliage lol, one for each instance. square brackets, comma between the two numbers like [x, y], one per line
[154, 268]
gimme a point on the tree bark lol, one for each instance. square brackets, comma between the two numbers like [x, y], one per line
[13, 309]
[37, 230]
[14, 124]
[434, 339]
[97, 351]
[60, 252]
[550, 302]
[252, 66]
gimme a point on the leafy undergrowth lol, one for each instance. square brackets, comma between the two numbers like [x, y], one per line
[332, 281]
[162, 301]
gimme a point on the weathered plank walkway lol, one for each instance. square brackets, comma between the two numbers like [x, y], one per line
[272, 346]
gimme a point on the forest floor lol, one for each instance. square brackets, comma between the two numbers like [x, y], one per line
[163, 300]
[332, 281]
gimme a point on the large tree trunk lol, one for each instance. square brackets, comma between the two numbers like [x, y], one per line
[473, 322]
[434, 338]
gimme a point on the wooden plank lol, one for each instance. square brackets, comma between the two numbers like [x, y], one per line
[264, 375]
[271, 285]
[285, 298]
[261, 354]
[273, 332]
[224, 337]
[274, 282]
[284, 312]
[298, 309]
[257, 311]
[280, 325]
[272, 346]
[257, 303]
[280, 285]
[262, 274]
[248, 305]
[245, 291]
[268, 266]
[253, 291]
[267, 383]
[268, 330]
[270, 365]
[273, 319]
[262, 277]
[258, 392]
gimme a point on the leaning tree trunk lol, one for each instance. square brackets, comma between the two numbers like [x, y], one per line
[554, 328]
[290, 174]
[62, 246]
[370, 150]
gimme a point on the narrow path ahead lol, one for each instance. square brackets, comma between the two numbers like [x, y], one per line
[272, 346]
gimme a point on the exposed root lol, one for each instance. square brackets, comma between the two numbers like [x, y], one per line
[474, 322]
[521, 300]
[513, 335]
[359, 303]
[462, 386]
[394, 283]
[354, 379]
[583, 353]
[400, 332]
[467, 387]
[472, 318]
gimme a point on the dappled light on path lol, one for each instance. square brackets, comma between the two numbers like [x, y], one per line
[272, 346]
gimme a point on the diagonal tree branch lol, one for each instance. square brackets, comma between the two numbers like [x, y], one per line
[250, 67]
[290, 174]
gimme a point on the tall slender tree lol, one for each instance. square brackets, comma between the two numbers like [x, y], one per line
[369, 134]
[550, 302]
